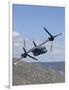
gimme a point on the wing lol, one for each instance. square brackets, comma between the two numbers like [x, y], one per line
[37, 46]
[43, 43]
[17, 60]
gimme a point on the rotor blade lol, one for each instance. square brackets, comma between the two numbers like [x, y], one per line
[24, 44]
[47, 31]
[29, 55]
[24, 49]
[58, 35]
[32, 57]
[51, 45]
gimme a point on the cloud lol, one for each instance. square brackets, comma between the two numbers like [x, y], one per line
[18, 44]
[15, 34]
[16, 38]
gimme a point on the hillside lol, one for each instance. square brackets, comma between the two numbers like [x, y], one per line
[29, 73]
[59, 66]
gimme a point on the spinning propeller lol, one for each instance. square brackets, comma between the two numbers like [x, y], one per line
[51, 38]
[25, 54]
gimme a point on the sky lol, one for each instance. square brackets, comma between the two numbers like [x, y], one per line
[28, 23]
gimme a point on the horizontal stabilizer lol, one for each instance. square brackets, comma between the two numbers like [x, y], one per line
[34, 44]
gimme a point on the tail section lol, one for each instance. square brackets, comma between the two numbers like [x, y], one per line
[34, 44]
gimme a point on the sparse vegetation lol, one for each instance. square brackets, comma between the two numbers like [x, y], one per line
[27, 73]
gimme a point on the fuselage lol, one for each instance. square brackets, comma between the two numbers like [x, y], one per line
[38, 51]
